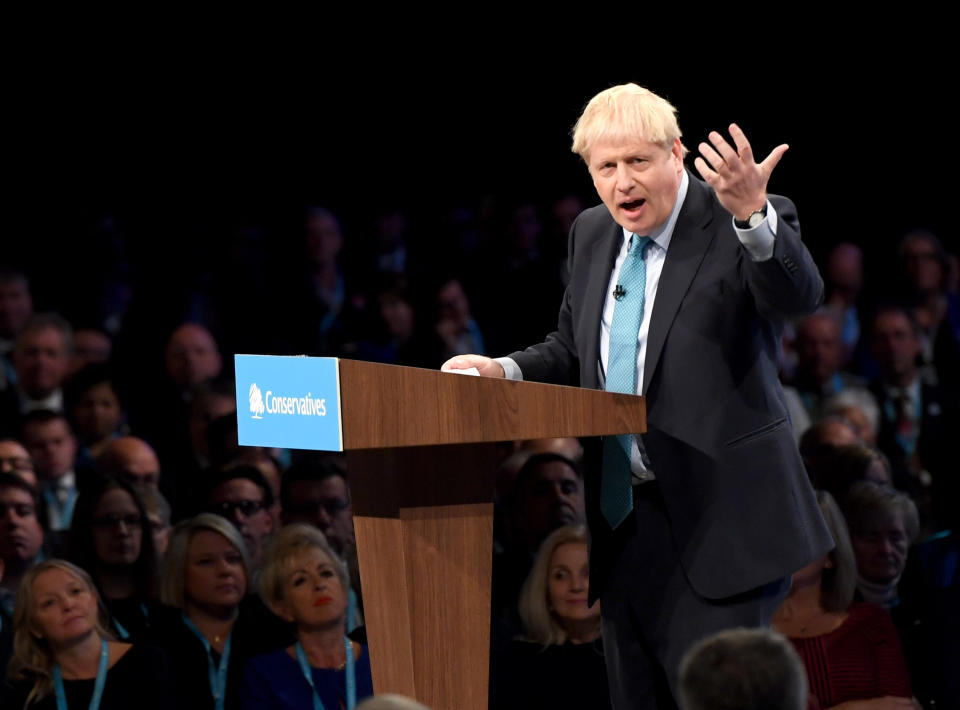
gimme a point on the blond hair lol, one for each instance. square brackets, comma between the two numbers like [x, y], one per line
[540, 623]
[32, 657]
[175, 560]
[626, 113]
[286, 547]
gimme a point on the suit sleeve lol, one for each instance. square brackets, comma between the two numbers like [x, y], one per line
[788, 284]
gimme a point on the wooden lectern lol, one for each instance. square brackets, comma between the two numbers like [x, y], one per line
[420, 447]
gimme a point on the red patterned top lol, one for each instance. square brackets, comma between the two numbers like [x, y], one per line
[858, 660]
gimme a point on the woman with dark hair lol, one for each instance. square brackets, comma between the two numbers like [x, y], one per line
[111, 536]
[65, 656]
[850, 650]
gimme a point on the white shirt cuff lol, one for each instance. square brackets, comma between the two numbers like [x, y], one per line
[511, 370]
[759, 241]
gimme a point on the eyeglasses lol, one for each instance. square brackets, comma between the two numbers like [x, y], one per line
[228, 509]
[131, 520]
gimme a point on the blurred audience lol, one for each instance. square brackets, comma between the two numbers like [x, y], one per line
[850, 650]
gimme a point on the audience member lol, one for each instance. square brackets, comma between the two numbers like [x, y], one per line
[211, 628]
[743, 669]
[15, 459]
[40, 358]
[21, 542]
[916, 418]
[242, 495]
[91, 346]
[547, 494]
[131, 458]
[559, 661]
[192, 357]
[850, 649]
[926, 266]
[455, 325]
[53, 447]
[306, 585]
[837, 468]
[112, 539]
[158, 514]
[819, 375]
[94, 406]
[268, 465]
[883, 524]
[64, 655]
[314, 491]
[16, 308]
[860, 410]
[843, 277]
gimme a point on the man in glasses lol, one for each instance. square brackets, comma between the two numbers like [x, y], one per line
[242, 496]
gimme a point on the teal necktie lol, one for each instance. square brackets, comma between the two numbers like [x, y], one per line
[616, 492]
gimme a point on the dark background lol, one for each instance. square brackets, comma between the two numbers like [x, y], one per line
[180, 151]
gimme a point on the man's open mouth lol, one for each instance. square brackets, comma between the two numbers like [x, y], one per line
[632, 205]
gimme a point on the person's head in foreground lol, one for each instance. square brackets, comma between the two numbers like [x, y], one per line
[743, 669]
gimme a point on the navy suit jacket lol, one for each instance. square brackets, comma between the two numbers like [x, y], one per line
[741, 509]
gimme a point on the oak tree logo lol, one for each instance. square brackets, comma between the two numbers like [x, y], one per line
[256, 401]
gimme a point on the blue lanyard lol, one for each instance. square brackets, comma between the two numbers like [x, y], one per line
[217, 676]
[97, 686]
[352, 624]
[121, 629]
[65, 511]
[350, 672]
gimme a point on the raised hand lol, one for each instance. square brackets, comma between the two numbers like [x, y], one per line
[739, 181]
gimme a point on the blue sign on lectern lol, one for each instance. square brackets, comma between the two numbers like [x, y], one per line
[288, 402]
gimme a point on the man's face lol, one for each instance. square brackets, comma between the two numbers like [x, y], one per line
[553, 497]
[881, 552]
[637, 181]
[52, 446]
[41, 361]
[241, 502]
[15, 459]
[895, 343]
[136, 460]
[819, 348]
[15, 307]
[20, 533]
[326, 505]
[922, 265]
[192, 356]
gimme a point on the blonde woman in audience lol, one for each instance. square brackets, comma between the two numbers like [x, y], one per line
[210, 627]
[64, 657]
[306, 584]
[559, 661]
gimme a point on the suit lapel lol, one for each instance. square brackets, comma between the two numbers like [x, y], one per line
[602, 258]
[691, 238]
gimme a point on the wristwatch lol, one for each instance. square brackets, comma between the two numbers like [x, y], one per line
[754, 220]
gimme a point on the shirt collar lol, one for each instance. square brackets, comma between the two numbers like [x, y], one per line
[663, 234]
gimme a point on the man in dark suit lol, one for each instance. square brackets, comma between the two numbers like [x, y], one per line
[915, 419]
[697, 525]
